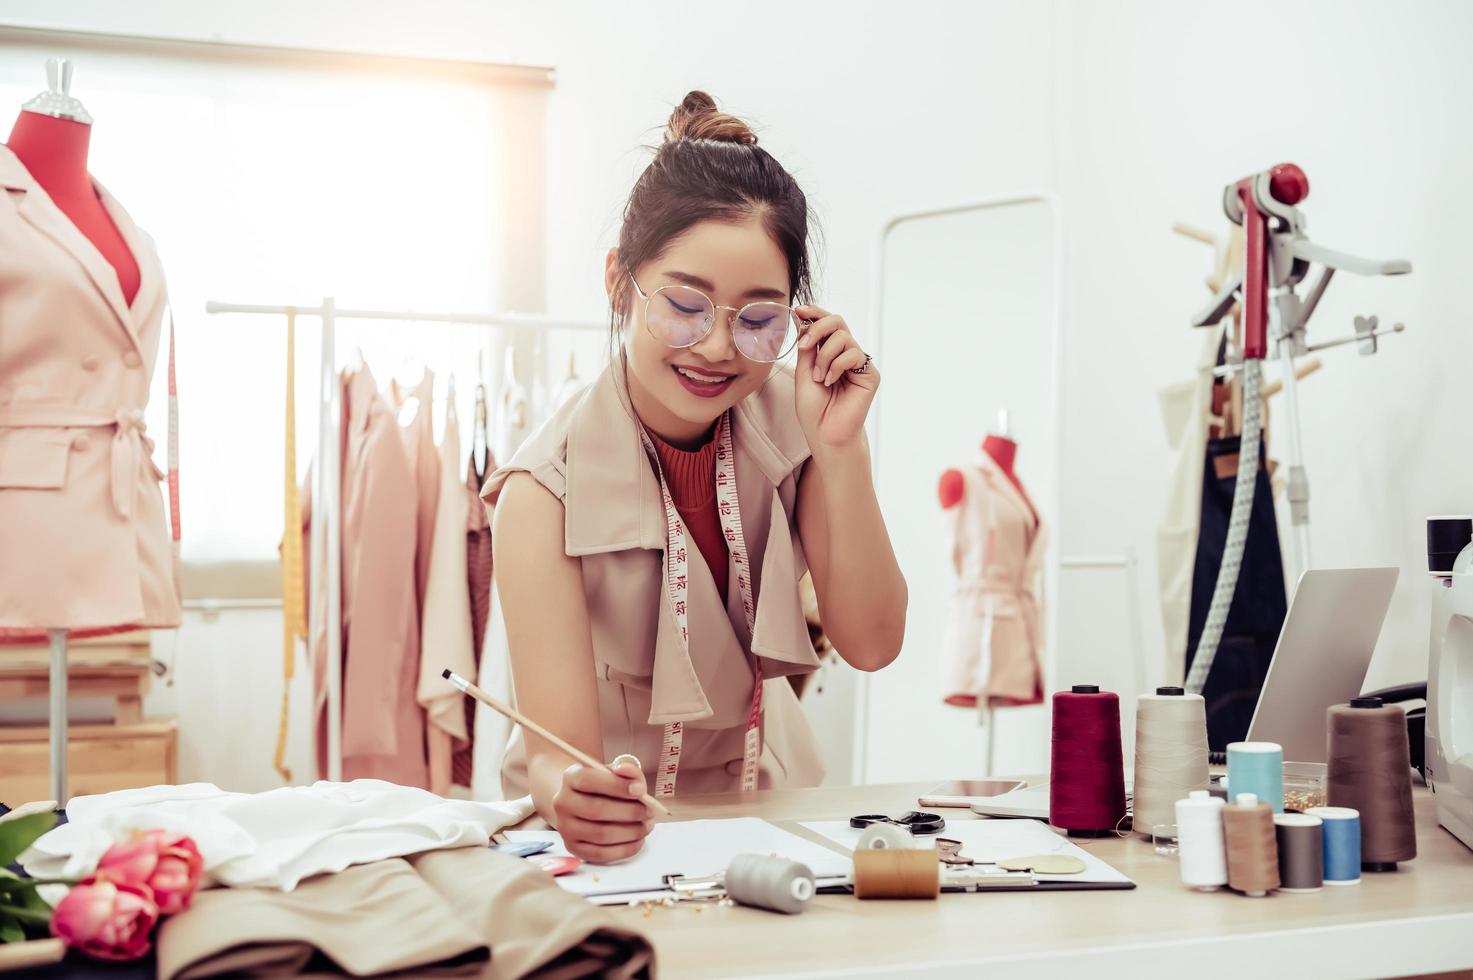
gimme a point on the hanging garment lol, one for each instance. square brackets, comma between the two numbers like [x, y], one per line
[445, 635]
[513, 413]
[274, 839]
[1185, 409]
[383, 726]
[293, 600]
[994, 637]
[590, 456]
[478, 589]
[82, 521]
[416, 419]
[1259, 603]
[432, 915]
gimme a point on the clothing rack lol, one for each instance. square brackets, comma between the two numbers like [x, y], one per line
[327, 475]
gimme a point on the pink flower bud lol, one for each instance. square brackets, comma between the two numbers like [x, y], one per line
[165, 862]
[105, 920]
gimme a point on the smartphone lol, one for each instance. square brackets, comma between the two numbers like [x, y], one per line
[965, 792]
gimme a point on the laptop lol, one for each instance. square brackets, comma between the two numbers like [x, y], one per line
[1321, 659]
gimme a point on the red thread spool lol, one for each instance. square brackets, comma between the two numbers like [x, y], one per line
[1086, 772]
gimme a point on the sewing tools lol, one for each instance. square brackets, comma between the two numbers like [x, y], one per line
[914, 822]
[1300, 839]
[1370, 770]
[1342, 843]
[468, 688]
[1170, 754]
[1252, 850]
[1086, 773]
[1200, 846]
[1257, 768]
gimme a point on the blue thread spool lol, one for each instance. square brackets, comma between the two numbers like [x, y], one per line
[1257, 768]
[1342, 843]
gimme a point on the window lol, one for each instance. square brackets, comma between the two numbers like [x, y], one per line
[275, 177]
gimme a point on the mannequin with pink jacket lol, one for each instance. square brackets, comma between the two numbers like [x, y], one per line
[86, 539]
[994, 637]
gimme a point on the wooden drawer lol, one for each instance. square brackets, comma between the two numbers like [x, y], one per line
[100, 759]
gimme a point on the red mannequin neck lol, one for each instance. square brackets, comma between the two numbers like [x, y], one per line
[1002, 450]
[55, 152]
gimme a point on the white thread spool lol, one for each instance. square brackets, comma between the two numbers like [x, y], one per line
[1170, 753]
[770, 883]
[1201, 849]
[886, 836]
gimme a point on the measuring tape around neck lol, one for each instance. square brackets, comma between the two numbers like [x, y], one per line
[677, 566]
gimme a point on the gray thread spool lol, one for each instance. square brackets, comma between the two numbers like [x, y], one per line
[770, 883]
[1170, 754]
[1301, 842]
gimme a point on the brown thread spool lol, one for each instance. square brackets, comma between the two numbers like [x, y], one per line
[1252, 851]
[897, 873]
[1370, 770]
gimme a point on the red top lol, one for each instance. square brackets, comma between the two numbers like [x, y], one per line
[691, 475]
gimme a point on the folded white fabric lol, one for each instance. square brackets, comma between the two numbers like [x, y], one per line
[273, 839]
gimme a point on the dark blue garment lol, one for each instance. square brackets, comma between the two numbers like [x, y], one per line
[1259, 604]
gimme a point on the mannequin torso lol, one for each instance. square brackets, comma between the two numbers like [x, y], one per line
[54, 151]
[1004, 452]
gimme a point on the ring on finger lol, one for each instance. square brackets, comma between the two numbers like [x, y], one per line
[863, 368]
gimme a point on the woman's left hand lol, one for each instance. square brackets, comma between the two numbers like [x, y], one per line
[834, 394]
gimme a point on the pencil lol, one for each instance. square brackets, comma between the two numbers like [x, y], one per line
[531, 726]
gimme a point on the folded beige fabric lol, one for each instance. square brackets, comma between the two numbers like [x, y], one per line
[433, 914]
[534, 928]
[369, 920]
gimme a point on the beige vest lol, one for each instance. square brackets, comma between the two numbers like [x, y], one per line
[590, 456]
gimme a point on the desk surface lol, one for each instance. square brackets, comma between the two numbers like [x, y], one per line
[1416, 920]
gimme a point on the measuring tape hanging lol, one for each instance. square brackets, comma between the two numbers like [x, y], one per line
[677, 568]
[293, 612]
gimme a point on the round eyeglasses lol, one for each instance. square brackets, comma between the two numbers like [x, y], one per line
[681, 316]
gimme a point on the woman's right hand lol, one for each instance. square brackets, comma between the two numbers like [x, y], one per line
[600, 814]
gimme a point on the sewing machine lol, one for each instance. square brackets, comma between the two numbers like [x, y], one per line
[1450, 674]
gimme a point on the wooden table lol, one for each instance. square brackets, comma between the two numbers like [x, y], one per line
[1418, 920]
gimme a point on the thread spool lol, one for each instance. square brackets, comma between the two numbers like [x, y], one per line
[774, 883]
[896, 873]
[1170, 753]
[1370, 771]
[884, 836]
[1257, 768]
[1342, 843]
[1301, 841]
[1200, 848]
[1086, 772]
[1252, 850]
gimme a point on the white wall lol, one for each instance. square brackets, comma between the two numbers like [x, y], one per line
[1162, 107]
[1135, 113]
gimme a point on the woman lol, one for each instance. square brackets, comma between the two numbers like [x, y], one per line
[673, 658]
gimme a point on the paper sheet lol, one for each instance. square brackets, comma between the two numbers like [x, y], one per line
[994, 840]
[691, 847]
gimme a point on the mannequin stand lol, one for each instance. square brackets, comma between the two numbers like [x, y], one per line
[57, 717]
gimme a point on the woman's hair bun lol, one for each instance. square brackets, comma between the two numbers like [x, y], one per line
[697, 118]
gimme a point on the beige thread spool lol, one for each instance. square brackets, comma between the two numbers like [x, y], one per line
[1252, 848]
[896, 873]
[1170, 754]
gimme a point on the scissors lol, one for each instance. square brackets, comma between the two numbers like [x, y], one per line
[915, 821]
